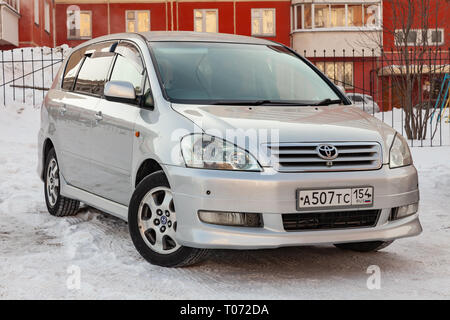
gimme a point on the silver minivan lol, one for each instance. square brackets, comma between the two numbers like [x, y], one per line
[205, 141]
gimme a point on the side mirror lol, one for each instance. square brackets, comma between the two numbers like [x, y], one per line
[120, 91]
[341, 88]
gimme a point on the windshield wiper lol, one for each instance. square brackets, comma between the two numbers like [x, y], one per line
[327, 102]
[259, 103]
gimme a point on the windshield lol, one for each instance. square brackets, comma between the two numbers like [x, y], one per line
[221, 73]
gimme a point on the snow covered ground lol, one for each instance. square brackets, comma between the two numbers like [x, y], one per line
[40, 254]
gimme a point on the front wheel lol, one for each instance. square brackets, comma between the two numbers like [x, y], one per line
[364, 246]
[153, 225]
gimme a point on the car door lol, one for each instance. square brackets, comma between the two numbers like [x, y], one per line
[77, 114]
[73, 124]
[113, 134]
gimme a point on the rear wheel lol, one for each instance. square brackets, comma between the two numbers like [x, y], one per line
[153, 225]
[57, 205]
[364, 246]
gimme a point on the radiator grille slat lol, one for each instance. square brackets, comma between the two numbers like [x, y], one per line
[292, 157]
[330, 220]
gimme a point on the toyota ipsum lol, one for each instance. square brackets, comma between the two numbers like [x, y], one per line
[212, 141]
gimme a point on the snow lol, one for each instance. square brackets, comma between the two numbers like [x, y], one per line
[441, 126]
[39, 252]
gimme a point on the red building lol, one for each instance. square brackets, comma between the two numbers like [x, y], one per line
[268, 19]
[342, 37]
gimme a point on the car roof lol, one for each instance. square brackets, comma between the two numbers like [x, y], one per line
[160, 36]
[202, 37]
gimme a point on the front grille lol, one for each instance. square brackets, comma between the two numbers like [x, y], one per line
[330, 220]
[297, 157]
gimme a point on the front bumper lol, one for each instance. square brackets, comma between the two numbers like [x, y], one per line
[273, 194]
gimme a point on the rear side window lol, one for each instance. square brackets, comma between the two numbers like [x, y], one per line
[94, 69]
[72, 67]
[129, 67]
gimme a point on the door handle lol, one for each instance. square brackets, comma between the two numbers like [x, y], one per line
[98, 116]
[63, 110]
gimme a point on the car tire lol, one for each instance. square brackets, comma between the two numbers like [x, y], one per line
[364, 246]
[152, 224]
[57, 205]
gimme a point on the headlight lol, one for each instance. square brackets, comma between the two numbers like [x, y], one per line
[208, 152]
[399, 155]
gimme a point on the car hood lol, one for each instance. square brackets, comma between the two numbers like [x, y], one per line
[293, 124]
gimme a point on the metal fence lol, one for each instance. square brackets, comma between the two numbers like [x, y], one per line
[27, 73]
[374, 80]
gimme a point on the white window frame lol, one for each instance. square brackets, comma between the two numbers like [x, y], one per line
[203, 11]
[135, 19]
[90, 31]
[36, 11]
[47, 16]
[261, 33]
[441, 31]
[295, 28]
[419, 36]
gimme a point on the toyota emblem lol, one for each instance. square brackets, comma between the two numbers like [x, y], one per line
[327, 151]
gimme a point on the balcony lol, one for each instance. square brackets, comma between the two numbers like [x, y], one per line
[336, 24]
[9, 22]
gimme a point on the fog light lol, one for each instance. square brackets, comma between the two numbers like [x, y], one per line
[404, 211]
[231, 218]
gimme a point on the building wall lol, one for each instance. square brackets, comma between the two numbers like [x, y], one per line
[31, 34]
[438, 17]
[233, 16]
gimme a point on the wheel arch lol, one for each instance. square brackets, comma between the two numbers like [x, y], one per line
[46, 147]
[147, 167]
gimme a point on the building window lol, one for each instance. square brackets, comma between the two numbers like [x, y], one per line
[263, 22]
[355, 15]
[437, 36]
[321, 16]
[336, 16]
[79, 23]
[432, 37]
[138, 21]
[36, 12]
[206, 20]
[340, 72]
[47, 16]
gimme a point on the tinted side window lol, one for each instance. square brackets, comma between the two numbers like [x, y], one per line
[94, 69]
[128, 66]
[72, 67]
[92, 76]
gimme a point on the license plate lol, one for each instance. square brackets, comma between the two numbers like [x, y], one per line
[343, 197]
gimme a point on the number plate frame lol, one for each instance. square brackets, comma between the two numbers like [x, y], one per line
[327, 208]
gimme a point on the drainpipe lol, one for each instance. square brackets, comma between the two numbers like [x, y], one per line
[234, 16]
[54, 23]
[109, 19]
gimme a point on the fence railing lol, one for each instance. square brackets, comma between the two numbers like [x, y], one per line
[403, 87]
[377, 82]
[27, 73]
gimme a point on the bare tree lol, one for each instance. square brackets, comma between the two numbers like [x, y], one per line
[415, 58]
